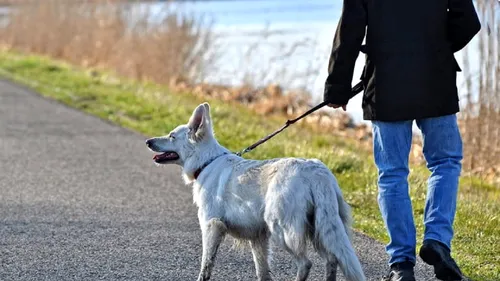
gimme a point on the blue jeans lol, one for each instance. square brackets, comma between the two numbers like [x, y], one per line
[442, 148]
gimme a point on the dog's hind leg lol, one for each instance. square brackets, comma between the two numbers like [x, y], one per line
[260, 252]
[298, 248]
[212, 234]
[331, 269]
[291, 238]
[303, 267]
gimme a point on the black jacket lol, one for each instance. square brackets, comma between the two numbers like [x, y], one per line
[410, 69]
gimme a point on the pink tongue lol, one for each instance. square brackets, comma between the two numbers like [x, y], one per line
[160, 156]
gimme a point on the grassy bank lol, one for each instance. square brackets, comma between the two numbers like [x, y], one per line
[153, 110]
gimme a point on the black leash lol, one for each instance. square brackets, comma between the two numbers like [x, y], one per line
[355, 90]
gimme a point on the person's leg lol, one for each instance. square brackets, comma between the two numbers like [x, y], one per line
[442, 147]
[391, 148]
[443, 153]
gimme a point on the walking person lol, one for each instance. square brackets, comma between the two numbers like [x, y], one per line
[409, 75]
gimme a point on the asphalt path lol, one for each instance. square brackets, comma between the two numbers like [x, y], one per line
[80, 199]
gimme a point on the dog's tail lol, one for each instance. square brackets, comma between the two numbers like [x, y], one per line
[333, 231]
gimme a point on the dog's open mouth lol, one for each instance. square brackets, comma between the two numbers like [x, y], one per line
[165, 157]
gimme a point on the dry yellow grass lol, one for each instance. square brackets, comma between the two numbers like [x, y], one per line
[480, 120]
[112, 35]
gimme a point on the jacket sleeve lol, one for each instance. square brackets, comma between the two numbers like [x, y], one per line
[347, 42]
[463, 23]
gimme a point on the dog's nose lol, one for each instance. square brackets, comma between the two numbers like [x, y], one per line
[148, 143]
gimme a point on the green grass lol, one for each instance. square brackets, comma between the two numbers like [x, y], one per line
[154, 110]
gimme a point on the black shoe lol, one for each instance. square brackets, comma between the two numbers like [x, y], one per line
[438, 255]
[402, 271]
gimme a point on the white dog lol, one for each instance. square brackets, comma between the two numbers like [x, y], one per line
[288, 200]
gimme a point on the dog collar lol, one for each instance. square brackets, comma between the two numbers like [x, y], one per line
[200, 169]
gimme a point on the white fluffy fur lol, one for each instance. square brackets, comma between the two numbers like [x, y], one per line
[288, 200]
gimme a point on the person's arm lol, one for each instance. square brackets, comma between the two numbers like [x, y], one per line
[347, 42]
[463, 23]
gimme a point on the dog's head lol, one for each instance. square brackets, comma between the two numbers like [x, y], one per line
[183, 142]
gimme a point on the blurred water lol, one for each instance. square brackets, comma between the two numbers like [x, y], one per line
[294, 53]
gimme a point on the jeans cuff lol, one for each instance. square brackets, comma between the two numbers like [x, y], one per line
[403, 259]
[432, 237]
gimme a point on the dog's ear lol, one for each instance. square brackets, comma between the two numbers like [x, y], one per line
[207, 112]
[199, 123]
[207, 107]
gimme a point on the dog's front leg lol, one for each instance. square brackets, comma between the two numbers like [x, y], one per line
[212, 234]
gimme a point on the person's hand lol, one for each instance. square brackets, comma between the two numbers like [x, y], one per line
[338, 105]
